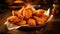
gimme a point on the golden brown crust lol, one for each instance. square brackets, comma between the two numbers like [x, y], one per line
[39, 12]
[31, 22]
[22, 22]
[19, 15]
[27, 13]
[40, 20]
[13, 19]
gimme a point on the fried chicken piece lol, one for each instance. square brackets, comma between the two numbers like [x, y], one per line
[22, 22]
[44, 17]
[39, 12]
[40, 20]
[32, 22]
[27, 13]
[18, 14]
[13, 19]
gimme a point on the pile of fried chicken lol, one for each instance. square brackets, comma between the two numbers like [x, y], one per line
[28, 15]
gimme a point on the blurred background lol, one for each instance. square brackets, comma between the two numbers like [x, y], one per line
[53, 27]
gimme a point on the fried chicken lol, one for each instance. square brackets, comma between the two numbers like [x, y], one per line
[22, 22]
[32, 22]
[13, 19]
[18, 14]
[41, 20]
[39, 12]
[27, 13]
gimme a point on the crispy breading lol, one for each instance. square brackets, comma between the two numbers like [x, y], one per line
[22, 22]
[39, 12]
[18, 14]
[13, 19]
[40, 20]
[27, 13]
[32, 22]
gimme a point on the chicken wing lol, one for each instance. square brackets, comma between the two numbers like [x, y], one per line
[27, 13]
[40, 20]
[22, 22]
[18, 13]
[39, 12]
[13, 19]
[32, 22]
